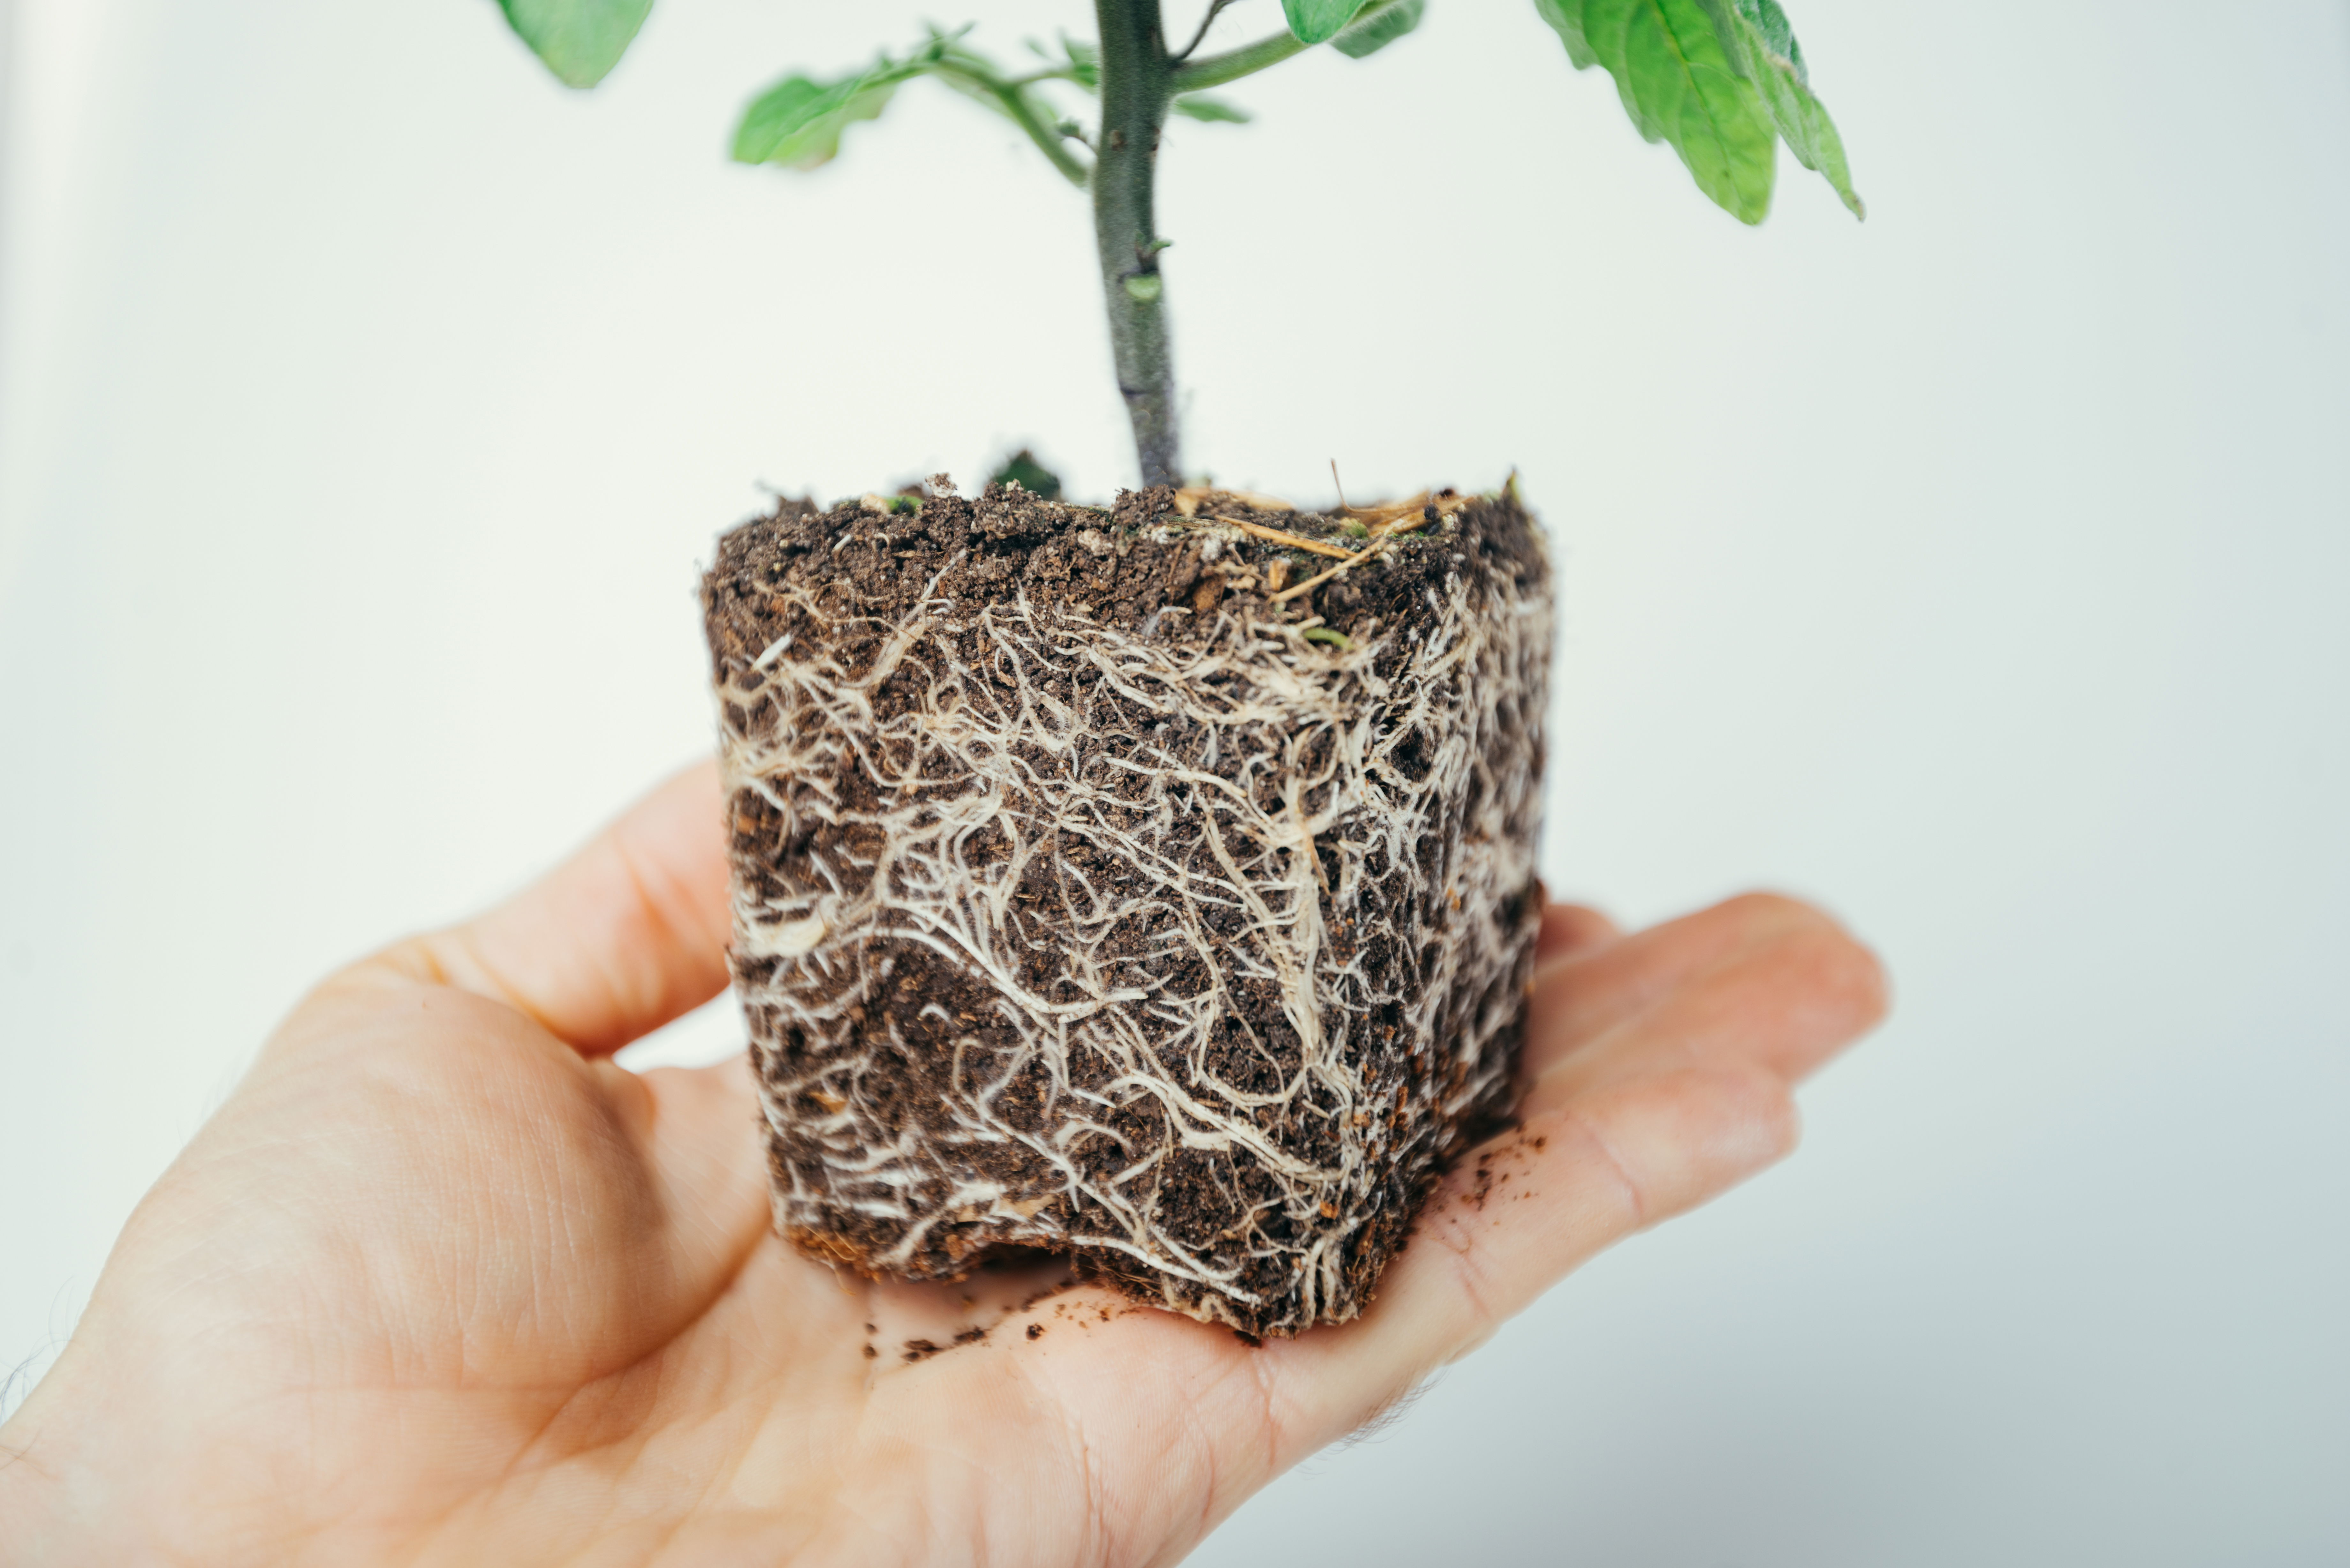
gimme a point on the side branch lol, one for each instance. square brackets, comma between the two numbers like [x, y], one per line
[1191, 76]
[1234, 64]
[1014, 101]
[1215, 9]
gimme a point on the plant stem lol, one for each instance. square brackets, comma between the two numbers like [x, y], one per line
[1136, 85]
[1208, 20]
[1190, 76]
[1014, 98]
[1234, 64]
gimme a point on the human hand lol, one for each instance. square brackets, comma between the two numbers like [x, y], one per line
[440, 1283]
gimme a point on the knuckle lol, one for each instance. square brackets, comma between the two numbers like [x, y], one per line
[1272, 1414]
[1740, 1120]
[1468, 1271]
[1762, 1101]
[1636, 1192]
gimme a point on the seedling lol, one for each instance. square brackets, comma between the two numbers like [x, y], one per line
[1151, 883]
[1723, 80]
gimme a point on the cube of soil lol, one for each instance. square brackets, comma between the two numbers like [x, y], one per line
[1106, 883]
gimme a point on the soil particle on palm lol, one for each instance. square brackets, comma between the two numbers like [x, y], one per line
[1045, 1293]
[1497, 1163]
[1084, 902]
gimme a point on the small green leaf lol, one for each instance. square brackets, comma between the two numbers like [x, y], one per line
[1318, 21]
[580, 40]
[1199, 106]
[798, 122]
[1679, 85]
[1763, 43]
[1378, 28]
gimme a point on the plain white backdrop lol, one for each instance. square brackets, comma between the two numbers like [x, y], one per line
[366, 403]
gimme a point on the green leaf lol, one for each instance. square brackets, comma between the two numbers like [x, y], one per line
[798, 122]
[580, 40]
[1318, 21]
[1377, 28]
[1199, 106]
[1764, 46]
[1565, 17]
[1679, 85]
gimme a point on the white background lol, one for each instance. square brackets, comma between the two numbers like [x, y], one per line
[367, 402]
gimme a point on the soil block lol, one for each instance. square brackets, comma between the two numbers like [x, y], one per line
[1153, 884]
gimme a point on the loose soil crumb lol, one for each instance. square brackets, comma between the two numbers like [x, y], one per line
[1489, 1173]
[1150, 883]
[1044, 1294]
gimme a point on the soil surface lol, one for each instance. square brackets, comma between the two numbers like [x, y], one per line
[1098, 890]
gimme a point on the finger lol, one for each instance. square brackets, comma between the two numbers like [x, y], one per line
[1794, 991]
[627, 935]
[1578, 1180]
[1537, 1203]
[1580, 995]
[1572, 929]
[1696, 1094]
[1174, 1423]
[1576, 1176]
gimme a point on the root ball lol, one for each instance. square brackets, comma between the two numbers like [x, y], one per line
[1082, 901]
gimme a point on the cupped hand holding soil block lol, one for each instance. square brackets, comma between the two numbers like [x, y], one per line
[1154, 884]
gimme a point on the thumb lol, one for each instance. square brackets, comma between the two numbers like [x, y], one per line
[627, 934]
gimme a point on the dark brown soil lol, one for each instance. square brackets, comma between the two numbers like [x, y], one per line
[1104, 561]
[890, 1035]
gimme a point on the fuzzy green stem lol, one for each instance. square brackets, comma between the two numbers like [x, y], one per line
[1234, 64]
[1250, 59]
[1135, 87]
[1014, 98]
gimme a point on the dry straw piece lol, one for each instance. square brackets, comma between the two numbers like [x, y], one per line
[1084, 902]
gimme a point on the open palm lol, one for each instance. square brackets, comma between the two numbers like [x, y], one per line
[440, 1283]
